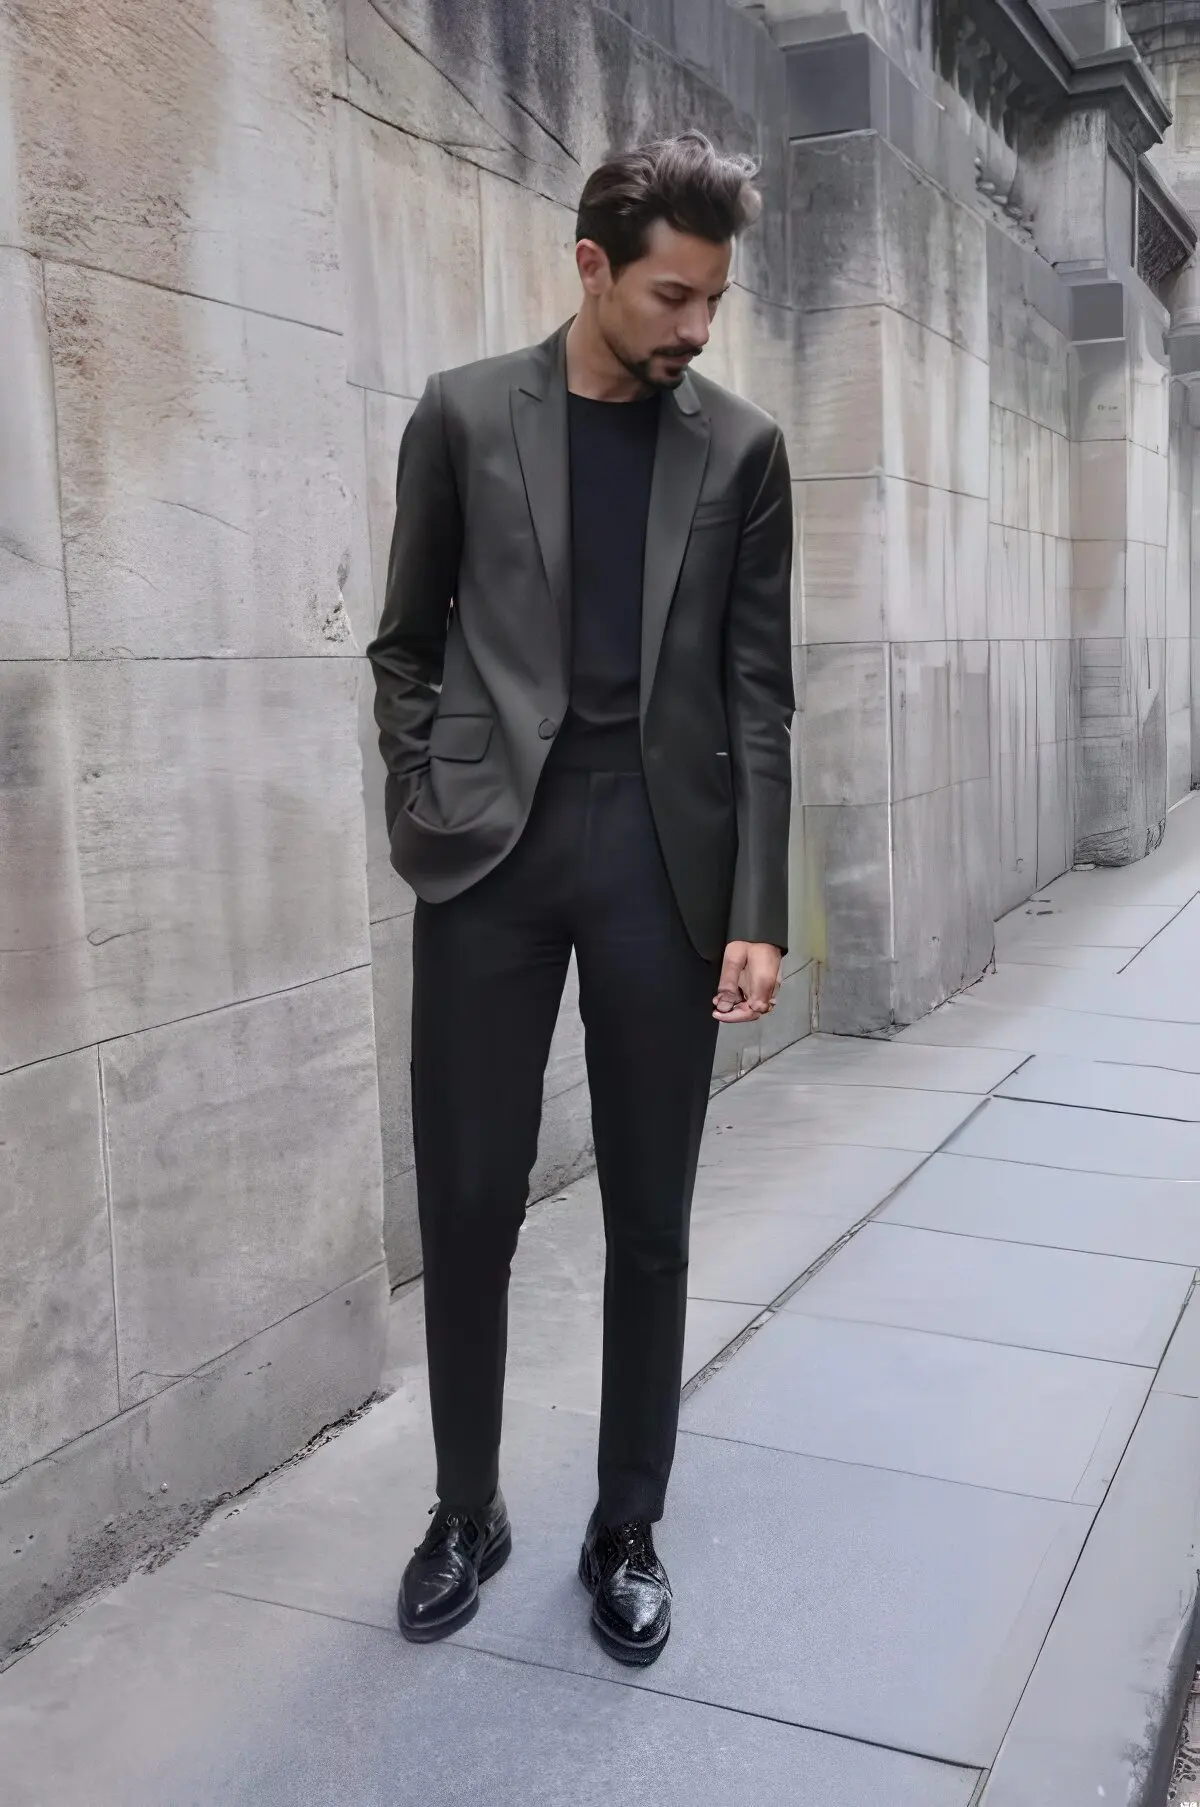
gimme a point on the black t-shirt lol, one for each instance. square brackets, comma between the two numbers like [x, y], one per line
[612, 446]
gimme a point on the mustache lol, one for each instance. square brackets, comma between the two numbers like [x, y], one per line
[676, 351]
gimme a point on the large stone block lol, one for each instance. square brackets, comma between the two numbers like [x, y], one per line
[1055, 825]
[338, 67]
[1100, 389]
[841, 361]
[848, 856]
[919, 693]
[1100, 489]
[975, 854]
[970, 691]
[461, 75]
[761, 338]
[1147, 503]
[846, 725]
[1053, 691]
[935, 408]
[58, 1351]
[1014, 769]
[132, 1489]
[201, 160]
[411, 247]
[1098, 589]
[530, 283]
[182, 834]
[917, 530]
[965, 567]
[244, 1164]
[205, 508]
[868, 227]
[840, 528]
[33, 600]
[45, 956]
[927, 884]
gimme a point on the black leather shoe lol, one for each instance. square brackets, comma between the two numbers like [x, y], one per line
[440, 1589]
[631, 1596]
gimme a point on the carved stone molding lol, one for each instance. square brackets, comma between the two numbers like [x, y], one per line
[1166, 234]
[1010, 61]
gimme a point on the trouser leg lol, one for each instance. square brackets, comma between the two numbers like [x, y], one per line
[646, 1001]
[488, 973]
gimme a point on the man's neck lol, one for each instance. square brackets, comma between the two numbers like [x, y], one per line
[592, 369]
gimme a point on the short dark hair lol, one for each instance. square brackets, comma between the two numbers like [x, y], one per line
[683, 180]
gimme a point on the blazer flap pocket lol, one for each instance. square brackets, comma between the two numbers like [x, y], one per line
[718, 513]
[463, 737]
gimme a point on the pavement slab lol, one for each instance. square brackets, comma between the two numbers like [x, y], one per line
[1059, 1300]
[1009, 1201]
[1019, 1420]
[1088, 1141]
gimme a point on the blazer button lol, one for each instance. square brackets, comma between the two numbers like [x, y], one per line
[547, 729]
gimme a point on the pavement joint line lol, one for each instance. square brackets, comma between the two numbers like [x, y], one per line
[1057, 1248]
[1103, 1173]
[726, 1355]
[1103, 1110]
[991, 1342]
[463, 1641]
[1174, 917]
[912, 1474]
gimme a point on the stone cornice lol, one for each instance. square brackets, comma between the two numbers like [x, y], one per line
[1120, 82]
[1012, 49]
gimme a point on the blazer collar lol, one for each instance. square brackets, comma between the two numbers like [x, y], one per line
[547, 366]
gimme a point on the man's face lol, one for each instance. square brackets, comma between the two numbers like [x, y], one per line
[656, 314]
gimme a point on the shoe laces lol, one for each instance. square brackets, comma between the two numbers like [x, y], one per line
[635, 1542]
[444, 1519]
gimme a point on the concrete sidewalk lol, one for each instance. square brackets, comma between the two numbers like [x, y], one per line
[933, 1521]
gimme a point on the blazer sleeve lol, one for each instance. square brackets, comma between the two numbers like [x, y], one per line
[760, 702]
[408, 652]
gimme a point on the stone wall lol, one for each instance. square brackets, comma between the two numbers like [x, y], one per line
[235, 238]
[193, 1279]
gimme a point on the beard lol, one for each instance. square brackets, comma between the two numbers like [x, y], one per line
[643, 368]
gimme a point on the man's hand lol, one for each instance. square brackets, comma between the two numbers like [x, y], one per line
[748, 983]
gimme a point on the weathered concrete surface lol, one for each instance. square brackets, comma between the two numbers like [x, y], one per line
[189, 1128]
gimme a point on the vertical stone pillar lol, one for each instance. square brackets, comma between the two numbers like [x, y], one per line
[1120, 420]
[1083, 193]
[889, 272]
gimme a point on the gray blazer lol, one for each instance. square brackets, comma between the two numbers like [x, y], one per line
[472, 658]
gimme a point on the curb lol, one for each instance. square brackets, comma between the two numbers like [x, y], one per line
[1099, 1717]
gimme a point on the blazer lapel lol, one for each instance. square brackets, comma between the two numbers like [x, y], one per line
[539, 417]
[679, 461]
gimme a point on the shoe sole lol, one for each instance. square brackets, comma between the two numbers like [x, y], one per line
[636, 1656]
[432, 1631]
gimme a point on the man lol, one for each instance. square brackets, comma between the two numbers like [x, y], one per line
[584, 697]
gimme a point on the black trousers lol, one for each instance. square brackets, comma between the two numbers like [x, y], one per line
[489, 971]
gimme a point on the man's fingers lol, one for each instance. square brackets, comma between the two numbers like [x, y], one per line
[729, 985]
[761, 980]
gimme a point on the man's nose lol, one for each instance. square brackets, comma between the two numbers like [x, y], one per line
[695, 328]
